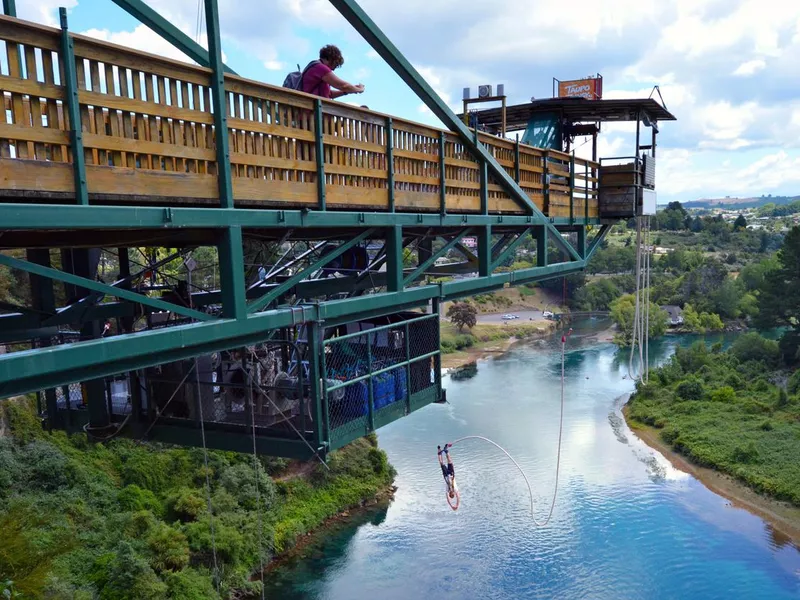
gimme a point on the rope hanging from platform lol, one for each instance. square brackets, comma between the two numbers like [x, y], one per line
[258, 490]
[641, 315]
[208, 477]
[558, 451]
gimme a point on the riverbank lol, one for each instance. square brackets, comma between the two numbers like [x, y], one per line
[135, 516]
[782, 517]
[491, 340]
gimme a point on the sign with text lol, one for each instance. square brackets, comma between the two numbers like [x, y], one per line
[590, 88]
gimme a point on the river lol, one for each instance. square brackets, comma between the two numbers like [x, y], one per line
[626, 523]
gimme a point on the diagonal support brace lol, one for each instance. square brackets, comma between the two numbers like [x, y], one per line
[432, 259]
[362, 23]
[601, 235]
[103, 288]
[168, 31]
[510, 249]
[264, 300]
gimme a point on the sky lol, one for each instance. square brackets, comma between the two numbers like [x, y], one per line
[729, 70]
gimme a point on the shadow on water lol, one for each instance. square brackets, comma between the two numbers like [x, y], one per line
[323, 552]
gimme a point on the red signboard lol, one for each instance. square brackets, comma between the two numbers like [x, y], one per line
[590, 88]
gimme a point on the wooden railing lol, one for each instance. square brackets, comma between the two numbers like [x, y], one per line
[148, 137]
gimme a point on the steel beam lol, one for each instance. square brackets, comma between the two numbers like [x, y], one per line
[17, 216]
[394, 259]
[598, 239]
[32, 370]
[420, 270]
[168, 31]
[10, 8]
[103, 288]
[354, 14]
[295, 279]
[70, 82]
[510, 249]
[231, 266]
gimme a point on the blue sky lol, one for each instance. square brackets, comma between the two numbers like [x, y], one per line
[728, 69]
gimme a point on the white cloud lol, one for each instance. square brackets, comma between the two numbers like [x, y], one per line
[44, 11]
[750, 67]
[273, 65]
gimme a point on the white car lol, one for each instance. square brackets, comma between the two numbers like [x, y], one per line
[547, 314]
[509, 317]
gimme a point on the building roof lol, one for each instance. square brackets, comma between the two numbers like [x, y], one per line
[672, 310]
[575, 110]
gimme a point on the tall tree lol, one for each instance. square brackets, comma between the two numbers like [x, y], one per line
[462, 314]
[740, 223]
[780, 295]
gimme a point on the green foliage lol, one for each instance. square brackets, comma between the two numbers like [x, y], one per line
[462, 314]
[793, 385]
[690, 390]
[86, 521]
[725, 414]
[623, 312]
[132, 498]
[753, 347]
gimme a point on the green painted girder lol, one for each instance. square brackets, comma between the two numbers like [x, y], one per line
[510, 249]
[103, 288]
[168, 31]
[70, 81]
[598, 239]
[297, 278]
[433, 257]
[60, 216]
[32, 370]
[362, 23]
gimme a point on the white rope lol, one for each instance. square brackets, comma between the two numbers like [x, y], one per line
[558, 452]
[258, 489]
[640, 333]
[208, 478]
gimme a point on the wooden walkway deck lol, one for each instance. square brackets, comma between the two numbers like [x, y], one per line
[148, 136]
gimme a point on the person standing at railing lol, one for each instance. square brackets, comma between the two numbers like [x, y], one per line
[319, 78]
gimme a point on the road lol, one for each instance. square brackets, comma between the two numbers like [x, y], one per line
[524, 315]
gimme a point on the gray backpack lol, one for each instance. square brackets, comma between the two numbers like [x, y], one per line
[294, 80]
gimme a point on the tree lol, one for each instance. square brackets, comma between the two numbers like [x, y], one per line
[780, 292]
[462, 314]
[740, 223]
[623, 311]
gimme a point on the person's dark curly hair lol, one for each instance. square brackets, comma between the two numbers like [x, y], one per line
[332, 55]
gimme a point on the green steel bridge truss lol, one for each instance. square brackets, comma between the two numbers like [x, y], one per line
[253, 315]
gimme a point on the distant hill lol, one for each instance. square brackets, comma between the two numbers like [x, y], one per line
[736, 203]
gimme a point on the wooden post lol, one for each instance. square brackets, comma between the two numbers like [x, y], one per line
[390, 162]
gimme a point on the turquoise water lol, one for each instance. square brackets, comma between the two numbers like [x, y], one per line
[626, 524]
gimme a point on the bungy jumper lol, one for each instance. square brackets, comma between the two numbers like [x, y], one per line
[448, 470]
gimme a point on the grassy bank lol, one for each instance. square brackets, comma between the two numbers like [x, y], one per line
[122, 520]
[735, 412]
[462, 347]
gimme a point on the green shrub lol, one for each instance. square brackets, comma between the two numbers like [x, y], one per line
[133, 498]
[793, 385]
[753, 347]
[746, 454]
[169, 547]
[766, 425]
[690, 389]
[723, 394]
[186, 504]
[190, 584]
[45, 466]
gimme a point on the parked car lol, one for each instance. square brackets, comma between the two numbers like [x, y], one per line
[509, 317]
[547, 314]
